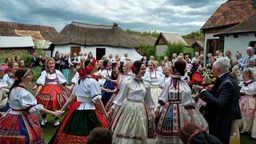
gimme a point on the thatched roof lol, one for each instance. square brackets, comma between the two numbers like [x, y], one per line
[171, 38]
[144, 39]
[35, 31]
[92, 35]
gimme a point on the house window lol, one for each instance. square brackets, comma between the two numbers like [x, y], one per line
[254, 3]
[253, 44]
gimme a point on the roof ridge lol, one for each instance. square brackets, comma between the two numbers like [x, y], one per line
[26, 24]
[87, 25]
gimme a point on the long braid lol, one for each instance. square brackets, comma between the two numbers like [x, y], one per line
[15, 84]
[18, 78]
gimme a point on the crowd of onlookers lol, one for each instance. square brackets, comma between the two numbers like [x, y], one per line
[242, 68]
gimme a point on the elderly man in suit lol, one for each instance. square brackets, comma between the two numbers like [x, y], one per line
[222, 101]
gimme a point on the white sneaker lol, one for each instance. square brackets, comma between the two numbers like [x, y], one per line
[57, 123]
[43, 123]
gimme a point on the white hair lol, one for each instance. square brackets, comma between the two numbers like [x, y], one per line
[223, 63]
[249, 48]
[251, 59]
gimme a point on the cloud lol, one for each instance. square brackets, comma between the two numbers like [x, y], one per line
[179, 16]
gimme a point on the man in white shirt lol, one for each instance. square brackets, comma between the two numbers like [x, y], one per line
[80, 55]
[125, 58]
[250, 54]
[196, 57]
[111, 58]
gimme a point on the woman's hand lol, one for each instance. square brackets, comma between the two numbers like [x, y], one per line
[192, 121]
[110, 112]
[34, 87]
[58, 113]
[69, 87]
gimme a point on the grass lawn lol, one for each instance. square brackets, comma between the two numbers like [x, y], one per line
[50, 130]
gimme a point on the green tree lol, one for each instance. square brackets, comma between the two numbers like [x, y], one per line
[174, 48]
[189, 51]
[148, 50]
[195, 34]
[153, 33]
[39, 46]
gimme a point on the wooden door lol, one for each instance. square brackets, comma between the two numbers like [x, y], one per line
[74, 50]
[100, 52]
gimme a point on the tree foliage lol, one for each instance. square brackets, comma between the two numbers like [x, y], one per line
[189, 51]
[148, 50]
[152, 33]
[195, 34]
[174, 48]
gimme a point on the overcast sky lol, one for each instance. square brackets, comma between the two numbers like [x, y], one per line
[175, 16]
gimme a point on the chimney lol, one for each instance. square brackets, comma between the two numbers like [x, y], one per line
[115, 25]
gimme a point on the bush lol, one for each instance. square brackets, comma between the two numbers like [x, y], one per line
[159, 58]
[148, 50]
[3, 57]
[174, 48]
[37, 72]
[24, 56]
[189, 51]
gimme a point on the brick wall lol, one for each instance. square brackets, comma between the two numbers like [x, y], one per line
[14, 51]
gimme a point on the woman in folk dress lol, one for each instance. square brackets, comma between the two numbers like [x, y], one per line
[20, 125]
[176, 107]
[51, 92]
[107, 85]
[9, 78]
[127, 75]
[167, 76]
[154, 78]
[247, 103]
[82, 117]
[131, 124]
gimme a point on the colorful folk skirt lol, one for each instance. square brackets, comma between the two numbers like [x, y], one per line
[105, 95]
[109, 105]
[172, 118]
[20, 128]
[77, 126]
[131, 124]
[6, 108]
[66, 74]
[247, 106]
[53, 96]
[155, 92]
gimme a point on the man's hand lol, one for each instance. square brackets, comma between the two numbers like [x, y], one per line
[197, 87]
[209, 87]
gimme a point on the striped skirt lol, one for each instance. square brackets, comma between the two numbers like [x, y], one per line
[20, 128]
[53, 96]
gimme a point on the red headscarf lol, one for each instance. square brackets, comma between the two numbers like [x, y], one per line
[87, 69]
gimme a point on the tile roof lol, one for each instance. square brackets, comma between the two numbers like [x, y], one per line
[247, 26]
[230, 13]
[19, 29]
[191, 41]
[199, 42]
